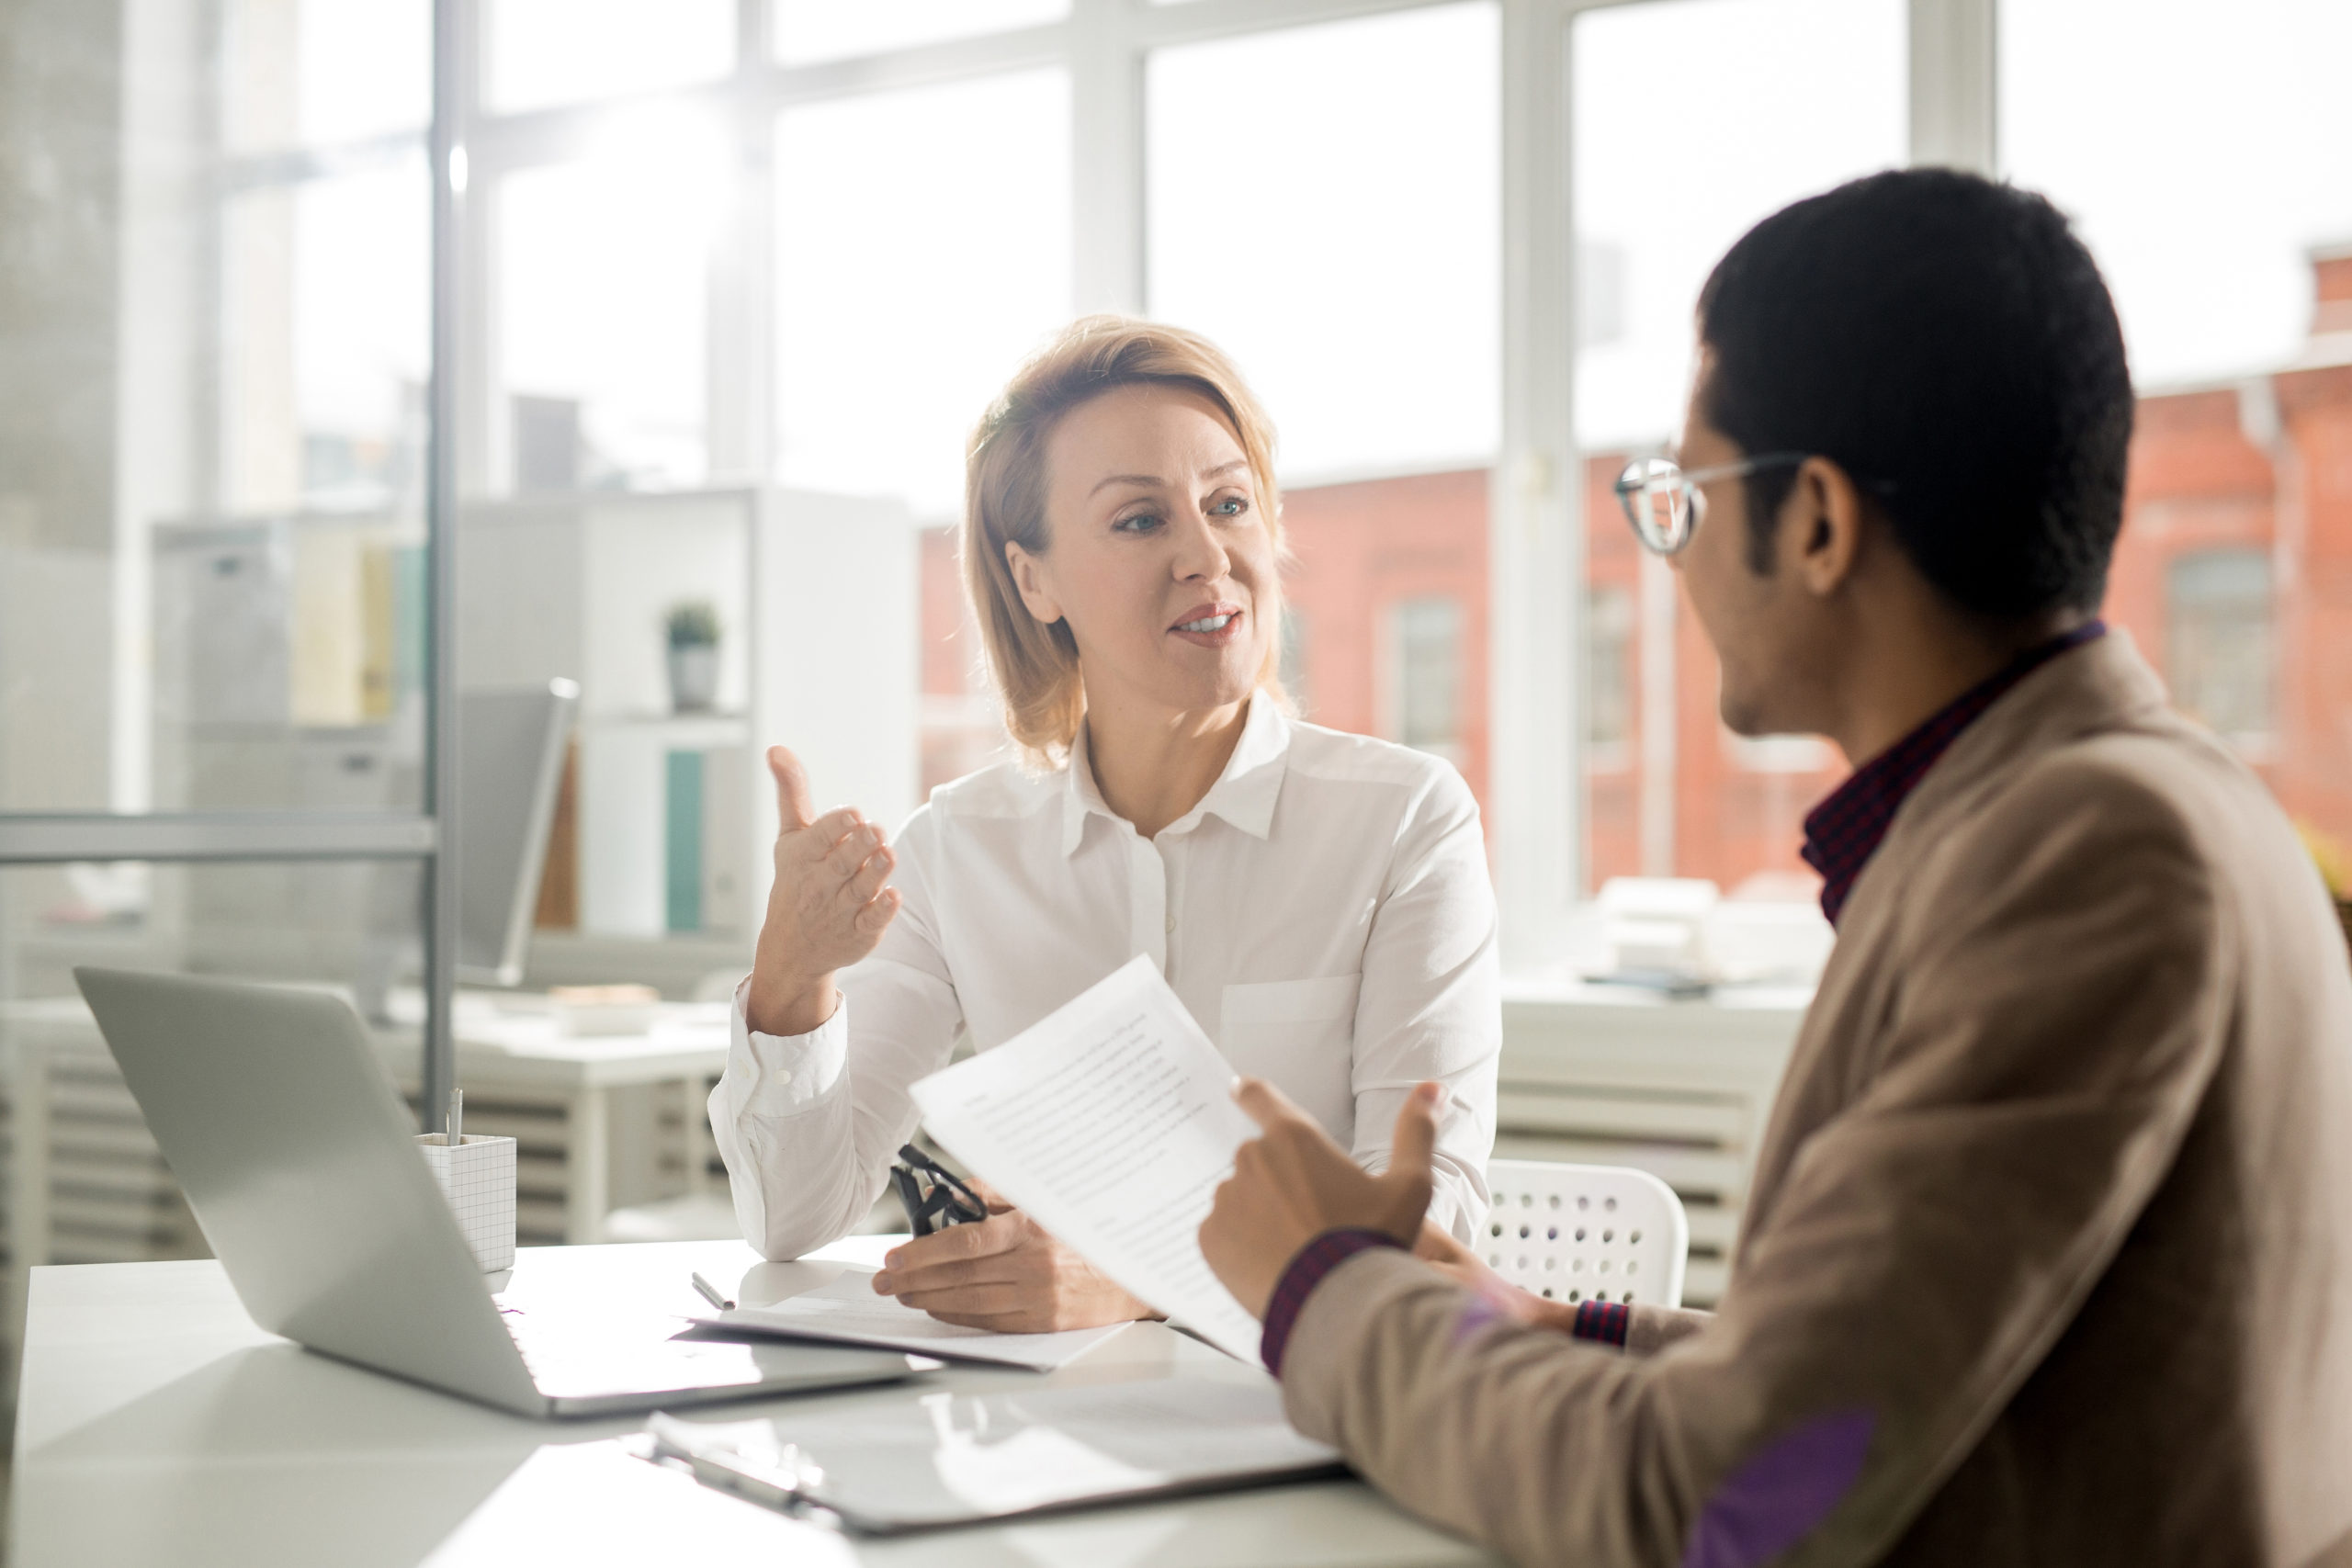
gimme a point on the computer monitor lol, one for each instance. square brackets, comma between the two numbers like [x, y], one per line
[511, 746]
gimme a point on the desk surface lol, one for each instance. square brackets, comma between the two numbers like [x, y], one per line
[157, 1424]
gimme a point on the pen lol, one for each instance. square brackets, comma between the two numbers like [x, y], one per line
[710, 1294]
[455, 1134]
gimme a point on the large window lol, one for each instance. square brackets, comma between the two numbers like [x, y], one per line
[922, 248]
[1770, 100]
[537, 54]
[602, 306]
[2208, 162]
[1343, 237]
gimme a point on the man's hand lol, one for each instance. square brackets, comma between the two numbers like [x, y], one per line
[1294, 1183]
[1006, 1274]
[826, 909]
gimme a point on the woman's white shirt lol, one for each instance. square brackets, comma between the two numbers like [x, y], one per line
[1325, 912]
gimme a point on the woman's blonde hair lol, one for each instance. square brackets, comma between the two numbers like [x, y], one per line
[1035, 665]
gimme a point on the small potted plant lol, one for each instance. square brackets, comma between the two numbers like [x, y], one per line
[692, 628]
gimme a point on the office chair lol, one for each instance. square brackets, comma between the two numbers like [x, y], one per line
[1575, 1232]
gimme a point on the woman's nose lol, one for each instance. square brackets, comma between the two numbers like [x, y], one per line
[1199, 552]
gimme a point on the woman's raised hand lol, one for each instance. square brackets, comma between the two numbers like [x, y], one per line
[828, 908]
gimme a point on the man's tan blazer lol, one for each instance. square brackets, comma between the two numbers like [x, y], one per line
[2047, 1257]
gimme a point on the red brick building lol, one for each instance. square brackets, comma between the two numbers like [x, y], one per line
[2234, 575]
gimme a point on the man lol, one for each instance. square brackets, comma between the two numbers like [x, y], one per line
[2050, 1234]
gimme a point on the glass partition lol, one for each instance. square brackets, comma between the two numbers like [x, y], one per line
[214, 326]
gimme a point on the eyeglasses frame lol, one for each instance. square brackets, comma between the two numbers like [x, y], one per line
[1645, 477]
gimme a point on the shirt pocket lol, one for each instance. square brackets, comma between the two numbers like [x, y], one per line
[1300, 1036]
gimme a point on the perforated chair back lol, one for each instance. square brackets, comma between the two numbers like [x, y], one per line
[1578, 1232]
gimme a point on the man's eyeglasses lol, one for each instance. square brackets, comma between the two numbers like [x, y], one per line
[933, 1196]
[1665, 505]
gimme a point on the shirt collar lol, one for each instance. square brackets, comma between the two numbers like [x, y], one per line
[1845, 831]
[1244, 794]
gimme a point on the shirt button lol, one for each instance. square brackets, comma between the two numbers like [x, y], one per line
[783, 1075]
[1172, 925]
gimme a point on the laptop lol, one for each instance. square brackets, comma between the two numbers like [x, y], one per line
[301, 1163]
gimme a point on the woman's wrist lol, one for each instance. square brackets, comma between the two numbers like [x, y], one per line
[789, 1005]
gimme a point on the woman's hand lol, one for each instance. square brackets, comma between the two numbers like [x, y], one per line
[1442, 1252]
[828, 908]
[1005, 1274]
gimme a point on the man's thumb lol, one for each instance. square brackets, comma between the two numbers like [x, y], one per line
[795, 809]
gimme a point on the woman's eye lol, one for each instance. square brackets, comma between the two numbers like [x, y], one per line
[1137, 523]
[1231, 506]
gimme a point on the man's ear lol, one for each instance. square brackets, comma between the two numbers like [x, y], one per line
[1029, 577]
[1821, 526]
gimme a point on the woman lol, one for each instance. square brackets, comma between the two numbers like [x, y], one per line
[1318, 900]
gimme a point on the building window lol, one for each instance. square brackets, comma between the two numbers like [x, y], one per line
[2218, 643]
[1425, 680]
[1609, 675]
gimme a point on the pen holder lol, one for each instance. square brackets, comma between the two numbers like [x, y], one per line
[477, 1175]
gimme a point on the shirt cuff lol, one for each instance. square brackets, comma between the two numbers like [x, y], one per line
[1305, 1271]
[789, 1072]
[1604, 1321]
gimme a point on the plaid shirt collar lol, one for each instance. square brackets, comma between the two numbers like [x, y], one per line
[1843, 831]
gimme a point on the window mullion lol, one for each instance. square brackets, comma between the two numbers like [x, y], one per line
[1954, 84]
[1535, 539]
[1106, 158]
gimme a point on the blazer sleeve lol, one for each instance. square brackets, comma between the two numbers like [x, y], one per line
[1431, 1003]
[2053, 1035]
[807, 1125]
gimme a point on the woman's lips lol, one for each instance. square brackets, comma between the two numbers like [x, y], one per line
[1216, 629]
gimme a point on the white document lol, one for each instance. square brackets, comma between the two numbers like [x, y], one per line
[846, 1310]
[1111, 1122]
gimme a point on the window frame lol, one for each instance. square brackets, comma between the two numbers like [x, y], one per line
[1536, 513]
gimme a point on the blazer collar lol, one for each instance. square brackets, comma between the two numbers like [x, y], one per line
[1243, 795]
[2102, 685]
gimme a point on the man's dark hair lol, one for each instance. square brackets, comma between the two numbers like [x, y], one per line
[1950, 343]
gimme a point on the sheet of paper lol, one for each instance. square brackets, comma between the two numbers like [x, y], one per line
[1111, 1122]
[846, 1310]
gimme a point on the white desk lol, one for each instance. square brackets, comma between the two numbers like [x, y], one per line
[157, 1426]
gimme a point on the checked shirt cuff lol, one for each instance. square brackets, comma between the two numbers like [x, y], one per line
[1604, 1321]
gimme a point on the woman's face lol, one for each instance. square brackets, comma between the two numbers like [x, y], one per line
[1156, 552]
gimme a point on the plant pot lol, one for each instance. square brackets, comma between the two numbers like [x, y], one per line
[694, 677]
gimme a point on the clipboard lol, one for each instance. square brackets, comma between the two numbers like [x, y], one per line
[941, 1460]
